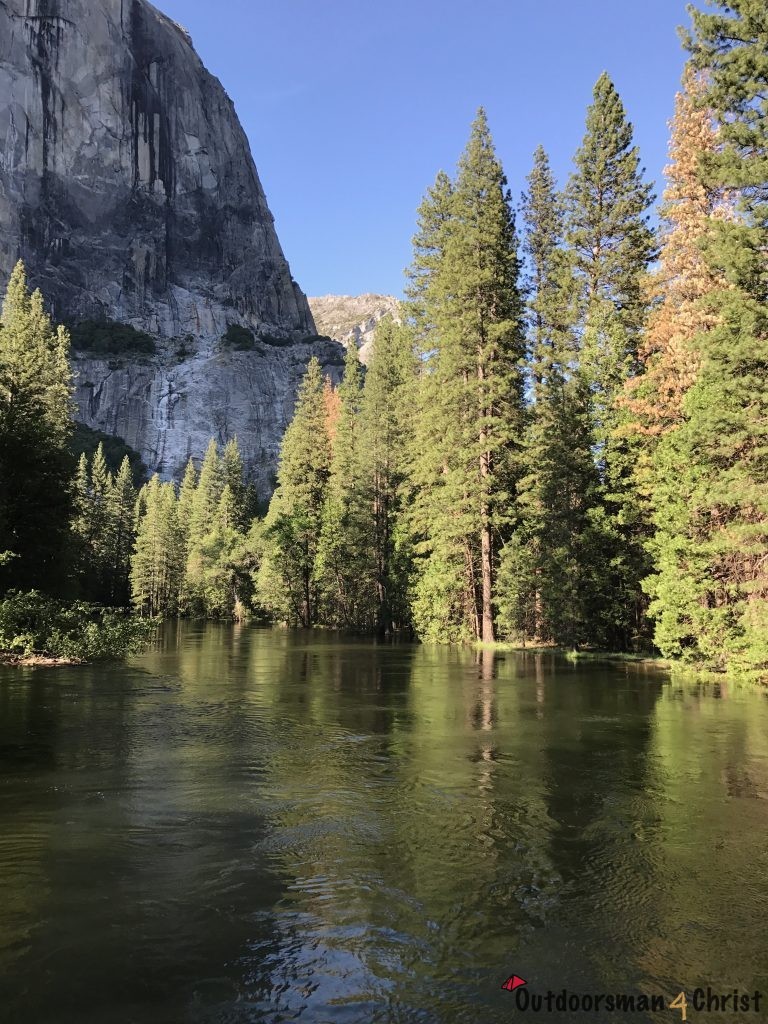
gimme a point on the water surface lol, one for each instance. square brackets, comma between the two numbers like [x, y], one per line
[250, 825]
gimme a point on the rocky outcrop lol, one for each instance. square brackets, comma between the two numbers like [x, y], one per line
[128, 187]
[169, 406]
[353, 319]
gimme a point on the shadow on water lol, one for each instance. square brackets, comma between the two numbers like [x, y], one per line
[250, 825]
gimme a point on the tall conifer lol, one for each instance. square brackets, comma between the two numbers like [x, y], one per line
[612, 244]
[545, 574]
[711, 589]
[386, 422]
[36, 465]
[465, 280]
[343, 549]
[287, 579]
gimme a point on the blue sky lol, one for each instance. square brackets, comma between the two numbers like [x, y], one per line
[352, 106]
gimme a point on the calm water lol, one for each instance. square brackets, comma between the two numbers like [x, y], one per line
[255, 826]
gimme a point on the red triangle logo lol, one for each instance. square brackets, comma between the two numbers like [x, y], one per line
[512, 983]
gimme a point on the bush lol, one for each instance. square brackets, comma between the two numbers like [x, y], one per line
[33, 624]
[239, 338]
[107, 337]
[276, 341]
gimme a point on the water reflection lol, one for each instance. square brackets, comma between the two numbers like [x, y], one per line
[255, 825]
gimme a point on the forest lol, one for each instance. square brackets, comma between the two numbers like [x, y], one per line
[562, 440]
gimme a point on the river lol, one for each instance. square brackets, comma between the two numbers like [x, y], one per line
[254, 825]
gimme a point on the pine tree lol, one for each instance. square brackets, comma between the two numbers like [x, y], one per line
[684, 278]
[121, 502]
[466, 305]
[36, 465]
[332, 408]
[101, 484]
[291, 533]
[234, 478]
[711, 588]
[545, 570]
[217, 570]
[612, 245]
[422, 290]
[386, 422]
[203, 506]
[207, 494]
[342, 560]
[156, 566]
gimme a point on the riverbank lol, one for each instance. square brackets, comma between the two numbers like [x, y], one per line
[571, 655]
[41, 631]
[9, 659]
[677, 669]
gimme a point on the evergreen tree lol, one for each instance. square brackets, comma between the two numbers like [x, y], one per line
[386, 422]
[203, 507]
[207, 494]
[234, 478]
[546, 569]
[36, 464]
[422, 289]
[187, 499]
[121, 502]
[711, 588]
[156, 567]
[291, 534]
[342, 560]
[101, 483]
[467, 308]
[612, 246]
[684, 278]
[217, 570]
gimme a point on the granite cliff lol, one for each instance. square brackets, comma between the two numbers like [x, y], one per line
[128, 187]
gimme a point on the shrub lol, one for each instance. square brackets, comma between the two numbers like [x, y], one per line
[239, 338]
[107, 337]
[31, 623]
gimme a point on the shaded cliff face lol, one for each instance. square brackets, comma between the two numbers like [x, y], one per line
[128, 188]
[126, 181]
[168, 408]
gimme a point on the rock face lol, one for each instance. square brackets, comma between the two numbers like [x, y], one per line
[353, 319]
[128, 187]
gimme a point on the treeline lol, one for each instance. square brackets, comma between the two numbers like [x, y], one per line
[83, 534]
[577, 424]
[64, 535]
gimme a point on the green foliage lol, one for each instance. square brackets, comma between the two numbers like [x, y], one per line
[36, 462]
[275, 340]
[107, 337]
[85, 440]
[191, 554]
[466, 310]
[34, 624]
[239, 338]
[611, 246]
[386, 420]
[544, 574]
[342, 561]
[287, 584]
[157, 566]
[710, 588]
